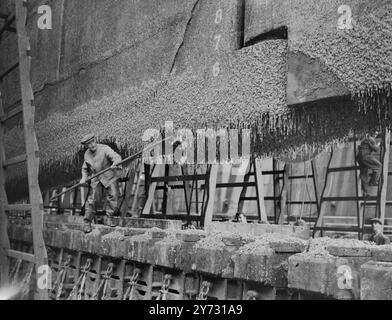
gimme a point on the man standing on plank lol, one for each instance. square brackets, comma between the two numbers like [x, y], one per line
[99, 157]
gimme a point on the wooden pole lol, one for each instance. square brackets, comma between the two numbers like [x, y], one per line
[41, 258]
[385, 173]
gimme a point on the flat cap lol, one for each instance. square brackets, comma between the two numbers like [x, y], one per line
[87, 138]
[374, 220]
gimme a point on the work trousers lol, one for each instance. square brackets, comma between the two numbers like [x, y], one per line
[112, 195]
[366, 163]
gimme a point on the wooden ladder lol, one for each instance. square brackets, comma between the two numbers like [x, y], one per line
[362, 203]
[255, 170]
[31, 158]
[286, 201]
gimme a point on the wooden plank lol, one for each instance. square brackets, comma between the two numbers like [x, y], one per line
[211, 192]
[14, 161]
[260, 191]
[27, 95]
[21, 255]
[135, 201]
[383, 196]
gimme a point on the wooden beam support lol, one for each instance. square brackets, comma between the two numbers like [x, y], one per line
[15, 161]
[31, 143]
[316, 186]
[157, 172]
[322, 210]
[260, 191]
[211, 194]
[384, 188]
[4, 241]
[128, 190]
[284, 195]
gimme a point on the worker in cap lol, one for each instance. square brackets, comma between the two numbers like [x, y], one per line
[99, 157]
[377, 236]
[368, 161]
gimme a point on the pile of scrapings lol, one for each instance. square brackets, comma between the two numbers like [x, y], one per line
[350, 248]
[170, 239]
[117, 234]
[190, 235]
[213, 241]
[141, 237]
[258, 247]
[328, 247]
[97, 232]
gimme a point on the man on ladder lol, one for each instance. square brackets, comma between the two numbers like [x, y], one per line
[367, 161]
[99, 157]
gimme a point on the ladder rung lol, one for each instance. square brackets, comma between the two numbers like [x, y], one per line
[300, 177]
[7, 24]
[337, 199]
[17, 207]
[14, 161]
[236, 184]
[21, 255]
[180, 178]
[273, 198]
[266, 173]
[11, 113]
[8, 71]
[352, 168]
[373, 203]
[301, 202]
[248, 198]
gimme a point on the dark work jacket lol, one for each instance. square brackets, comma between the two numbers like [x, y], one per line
[101, 159]
[367, 146]
[380, 239]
